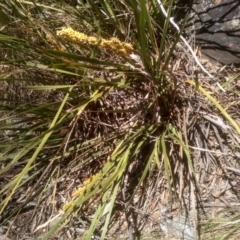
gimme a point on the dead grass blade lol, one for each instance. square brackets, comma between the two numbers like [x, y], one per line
[218, 106]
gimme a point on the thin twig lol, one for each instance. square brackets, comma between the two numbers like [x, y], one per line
[237, 171]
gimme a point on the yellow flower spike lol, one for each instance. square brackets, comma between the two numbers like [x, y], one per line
[115, 41]
[78, 192]
[128, 47]
[81, 190]
[54, 43]
[105, 44]
[72, 36]
[89, 180]
[113, 44]
[92, 40]
[67, 205]
[122, 51]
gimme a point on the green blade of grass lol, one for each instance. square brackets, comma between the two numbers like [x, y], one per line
[15, 183]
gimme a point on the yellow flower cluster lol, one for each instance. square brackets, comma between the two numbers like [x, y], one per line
[113, 44]
[54, 43]
[78, 192]
[67, 205]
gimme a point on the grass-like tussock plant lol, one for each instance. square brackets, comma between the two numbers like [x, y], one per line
[104, 135]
